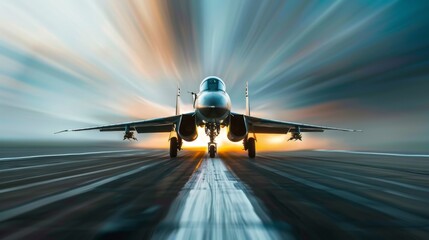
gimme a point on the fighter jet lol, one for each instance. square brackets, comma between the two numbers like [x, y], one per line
[212, 111]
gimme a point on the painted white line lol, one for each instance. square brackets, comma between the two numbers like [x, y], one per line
[404, 185]
[62, 163]
[341, 179]
[42, 165]
[64, 178]
[391, 211]
[214, 205]
[13, 212]
[375, 153]
[63, 154]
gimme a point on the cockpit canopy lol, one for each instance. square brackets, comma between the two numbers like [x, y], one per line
[212, 84]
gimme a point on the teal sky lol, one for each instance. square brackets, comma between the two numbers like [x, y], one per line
[355, 64]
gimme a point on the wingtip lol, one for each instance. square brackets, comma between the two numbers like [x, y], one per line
[67, 130]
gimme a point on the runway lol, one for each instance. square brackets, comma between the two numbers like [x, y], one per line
[140, 194]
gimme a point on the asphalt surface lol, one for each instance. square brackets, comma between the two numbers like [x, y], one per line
[140, 194]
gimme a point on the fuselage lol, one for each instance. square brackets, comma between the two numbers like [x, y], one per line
[212, 103]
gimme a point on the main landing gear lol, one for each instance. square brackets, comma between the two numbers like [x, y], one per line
[250, 146]
[175, 145]
[212, 130]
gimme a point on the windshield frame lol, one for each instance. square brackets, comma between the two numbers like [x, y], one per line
[209, 83]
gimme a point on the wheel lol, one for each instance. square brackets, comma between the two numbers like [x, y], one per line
[173, 147]
[212, 151]
[251, 149]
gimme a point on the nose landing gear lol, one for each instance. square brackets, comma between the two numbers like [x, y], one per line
[212, 130]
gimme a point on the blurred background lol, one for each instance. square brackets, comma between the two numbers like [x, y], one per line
[353, 64]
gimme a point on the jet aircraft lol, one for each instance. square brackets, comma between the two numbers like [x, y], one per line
[212, 110]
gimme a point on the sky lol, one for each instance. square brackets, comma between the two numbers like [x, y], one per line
[353, 64]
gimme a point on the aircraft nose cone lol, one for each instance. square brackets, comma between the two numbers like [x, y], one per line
[213, 100]
[211, 113]
[213, 105]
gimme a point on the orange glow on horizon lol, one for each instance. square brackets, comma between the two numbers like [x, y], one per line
[265, 142]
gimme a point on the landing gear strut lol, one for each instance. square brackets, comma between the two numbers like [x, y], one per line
[212, 130]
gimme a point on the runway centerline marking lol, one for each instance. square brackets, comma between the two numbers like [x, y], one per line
[391, 211]
[214, 205]
[13, 212]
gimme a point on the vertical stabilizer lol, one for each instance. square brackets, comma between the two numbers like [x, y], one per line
[247, 100]
[178, 101]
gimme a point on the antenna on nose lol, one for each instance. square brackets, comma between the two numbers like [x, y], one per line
[194, 98]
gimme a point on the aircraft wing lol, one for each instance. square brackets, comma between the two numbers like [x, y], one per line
[143, 126]
[261, 125]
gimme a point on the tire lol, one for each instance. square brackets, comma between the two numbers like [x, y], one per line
[173, 147]
[251, 148]
[212, 151]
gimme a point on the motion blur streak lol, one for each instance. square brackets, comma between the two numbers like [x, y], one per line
[62, 155]
[277, 195]
[335, 195]
[342, 63]
[114, 192]
[214, 205]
